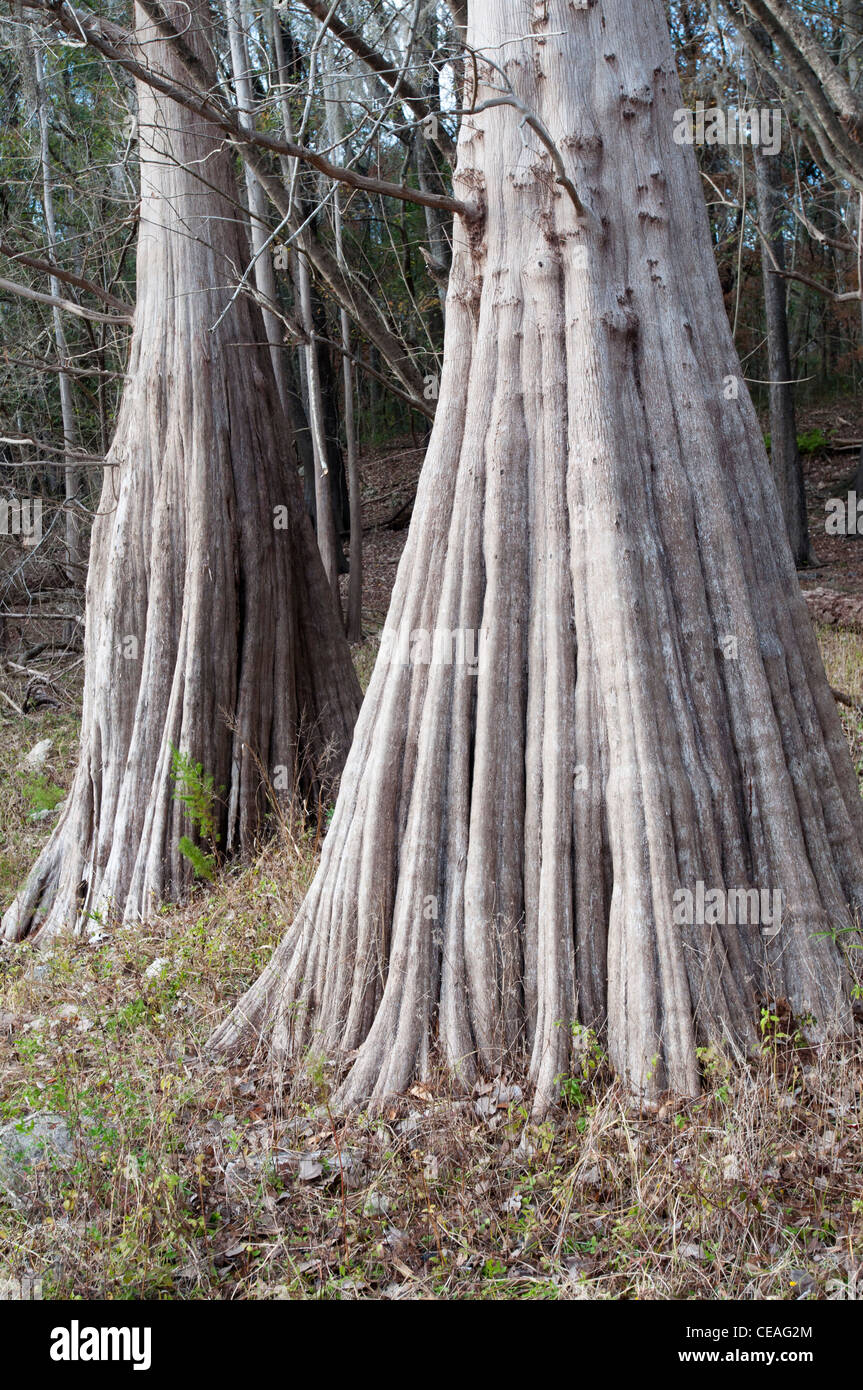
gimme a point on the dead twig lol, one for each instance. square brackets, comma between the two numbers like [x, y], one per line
[8, 698]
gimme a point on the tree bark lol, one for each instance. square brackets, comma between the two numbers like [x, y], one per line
[649, 710]
[265, 277]
[209, 627]
[354, 609]
[849, 59]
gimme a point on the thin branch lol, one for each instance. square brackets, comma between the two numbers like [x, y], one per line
[366, 313]
[840, 152]
[218, 114]
[507, 97]
[8, 698]
[30, 441]
[42, 618]
[528, 117]
[423, 407]
[846, 102]
[67, 305]
[385, 70]
[78, 373]
[48, 268]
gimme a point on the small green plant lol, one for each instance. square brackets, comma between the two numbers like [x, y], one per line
[809, 442]
[587, 1059]
[41, 794]
[203, 864]
[771, 1029]
[571, 1092]
[194, 788]
[812, 441]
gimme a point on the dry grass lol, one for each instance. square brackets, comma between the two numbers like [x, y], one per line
[196, 1181]
[190, 1180]
[26, 793]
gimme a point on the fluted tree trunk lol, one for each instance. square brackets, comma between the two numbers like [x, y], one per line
[209, 628]
[649, 710]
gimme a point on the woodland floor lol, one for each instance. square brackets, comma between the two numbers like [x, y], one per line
[164, 1176]
[834, 586]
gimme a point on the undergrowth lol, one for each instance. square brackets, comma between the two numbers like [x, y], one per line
[187, 1179]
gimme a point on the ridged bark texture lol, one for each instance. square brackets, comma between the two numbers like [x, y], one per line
[650, 709]
[209, 625]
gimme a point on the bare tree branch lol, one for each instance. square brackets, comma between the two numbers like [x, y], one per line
[384, 69]
[212, 109]
[67, 305]
[802, 87]
[845, 101]
[48, 268]
[365, 312]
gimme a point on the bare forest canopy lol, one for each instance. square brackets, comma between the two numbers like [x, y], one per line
[376, 90]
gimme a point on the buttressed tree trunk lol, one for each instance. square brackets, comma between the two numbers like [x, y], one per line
[649, 711]
[210, 628]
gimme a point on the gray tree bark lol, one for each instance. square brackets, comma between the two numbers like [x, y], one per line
[850, 61]
[210, 626]
[650, 710]
[265, 277]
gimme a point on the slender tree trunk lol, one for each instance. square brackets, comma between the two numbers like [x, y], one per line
[265, 276]
[784, 454]
[436, 233]
[71, 474]
[209, 624]
[324, 519]
[354, 613]
[321, 491]
[649, 711]
[858, 476]
[850, 59]
[297, 399]
[331, 400]
[437, 224]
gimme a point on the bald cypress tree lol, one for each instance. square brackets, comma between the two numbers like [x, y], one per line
[210, 631]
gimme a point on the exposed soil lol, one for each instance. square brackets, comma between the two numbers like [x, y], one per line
[390, 475]
[834, 586]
